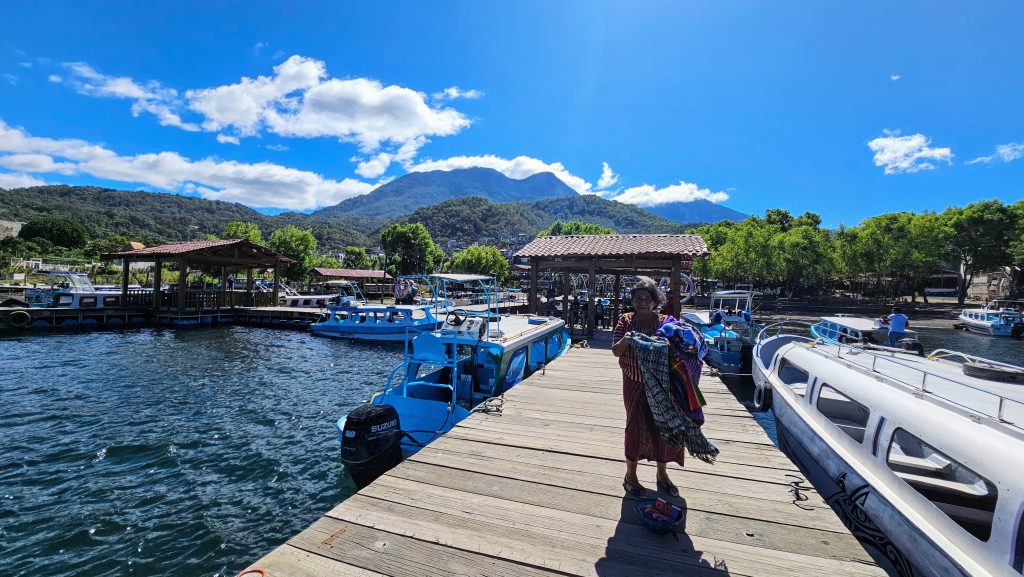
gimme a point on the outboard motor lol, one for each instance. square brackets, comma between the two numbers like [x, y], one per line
[1017, 331]
[371, 443]
[910, 345]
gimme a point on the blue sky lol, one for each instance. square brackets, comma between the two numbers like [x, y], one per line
[845, 109]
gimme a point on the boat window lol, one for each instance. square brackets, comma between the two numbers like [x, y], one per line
[850, 416]
[111, 301]
[963, 495]
[793, 376]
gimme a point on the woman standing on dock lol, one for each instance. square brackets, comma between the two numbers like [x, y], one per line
[643, 441]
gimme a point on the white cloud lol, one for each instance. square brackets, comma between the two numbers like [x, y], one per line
[225, 139]
[18, 180]
[647, 195]
[900, 154]
[276, 147]
[608, 178]
[519, 167]
[54, 78]
[10, 78]
[150, 97]
[894, 77]
[375, 166]
[25, 64]
[453, 92]
[1004, 152]
[261, 184]
[259, 46]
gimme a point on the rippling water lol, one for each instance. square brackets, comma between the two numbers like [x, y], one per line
[160, 452]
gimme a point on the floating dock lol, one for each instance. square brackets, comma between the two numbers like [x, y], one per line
[537, 490]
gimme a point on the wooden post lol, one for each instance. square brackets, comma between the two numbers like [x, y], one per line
[277, 284]
[673, 284]
[125, 265]
[157, 281]
[617, 287]
[566, 287]
[182, 282]
[224, 287]
[591, 316]
[250, 296]
[534, 279]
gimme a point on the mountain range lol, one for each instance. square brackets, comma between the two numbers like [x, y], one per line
[461, 204]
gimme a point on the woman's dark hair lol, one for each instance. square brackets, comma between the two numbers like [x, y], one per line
[647, 284]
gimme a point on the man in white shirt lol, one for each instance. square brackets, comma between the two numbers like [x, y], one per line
[898, 323]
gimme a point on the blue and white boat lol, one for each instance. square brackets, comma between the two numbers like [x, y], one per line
[444, 376]
[729, 328]
[999, 318]
[845, 329]
[73, 290]
[376, 322]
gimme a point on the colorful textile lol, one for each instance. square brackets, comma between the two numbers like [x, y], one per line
[670, 405]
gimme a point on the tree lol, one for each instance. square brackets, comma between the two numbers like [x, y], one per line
[59, 231]
[298, 245]
[355, 257]
[412, 247]
[559, 228]
[802, 257]
[979, 238]
[114, 243]
[481, 260]
[249, 231]
[779, 217]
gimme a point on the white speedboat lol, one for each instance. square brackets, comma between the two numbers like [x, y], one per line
[443, 376]
[74, 290]
[999, 318]
[920, 457]
[341, 294]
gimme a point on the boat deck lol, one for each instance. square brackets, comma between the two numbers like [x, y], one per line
[537, 490]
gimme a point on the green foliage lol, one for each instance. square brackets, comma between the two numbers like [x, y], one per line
[412, 247]
[60, 231]
[324, 261]
[574, 227]
[298, 245]
[355, 257]
[114, 243]
[481, 260]
[980, 236]
[249, 231]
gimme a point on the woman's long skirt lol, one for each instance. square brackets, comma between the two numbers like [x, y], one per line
[643, 441]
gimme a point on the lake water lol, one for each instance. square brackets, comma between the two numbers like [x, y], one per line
[191, 452]
[171, 452]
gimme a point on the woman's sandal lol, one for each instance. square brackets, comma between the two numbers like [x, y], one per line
[634, 488]
[667, 486]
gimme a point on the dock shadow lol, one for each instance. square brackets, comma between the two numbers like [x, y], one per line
[634, 551]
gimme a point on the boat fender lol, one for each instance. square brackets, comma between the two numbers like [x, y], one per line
[991, 372]
[20, 319]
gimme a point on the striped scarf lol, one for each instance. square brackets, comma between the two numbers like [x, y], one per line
[672, 393]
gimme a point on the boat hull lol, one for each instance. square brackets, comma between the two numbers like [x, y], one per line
[387, 334]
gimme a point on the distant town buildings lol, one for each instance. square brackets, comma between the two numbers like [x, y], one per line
[9, 228]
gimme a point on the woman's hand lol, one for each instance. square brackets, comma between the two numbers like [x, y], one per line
[623, 344]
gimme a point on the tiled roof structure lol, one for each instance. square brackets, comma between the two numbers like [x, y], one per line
[240, 249]
[616, 245]
[352, 273]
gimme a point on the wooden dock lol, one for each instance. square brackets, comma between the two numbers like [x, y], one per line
[537, 490]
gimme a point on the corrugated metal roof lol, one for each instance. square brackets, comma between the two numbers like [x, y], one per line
[352, 273]
[690, 245]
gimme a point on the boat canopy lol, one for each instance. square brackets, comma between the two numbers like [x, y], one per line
[453, 277]
[856, 323]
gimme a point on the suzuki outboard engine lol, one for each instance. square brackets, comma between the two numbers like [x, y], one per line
[371, 443]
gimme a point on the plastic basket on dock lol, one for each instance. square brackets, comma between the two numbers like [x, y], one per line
[655, 521]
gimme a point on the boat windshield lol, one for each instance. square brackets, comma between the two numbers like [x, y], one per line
[77, 282]
[732, 301]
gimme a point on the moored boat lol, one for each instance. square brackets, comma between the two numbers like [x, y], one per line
[73, 290]
[729, 328]
[443, 377]
[920, 457]
[376, 322]
[845, 329]
[999, 318]
[339, 294]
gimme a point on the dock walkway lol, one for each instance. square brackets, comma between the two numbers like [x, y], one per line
[537, 490]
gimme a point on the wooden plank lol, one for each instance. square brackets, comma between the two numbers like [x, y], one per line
[289, 561]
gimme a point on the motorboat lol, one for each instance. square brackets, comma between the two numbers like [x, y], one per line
[919, 456]
[444, 376]
[72, 290]
[850, 329]
[376, 322]
[999, 318]
[340, 294]
[729, 328]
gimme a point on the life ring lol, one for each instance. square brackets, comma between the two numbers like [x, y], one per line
[20, 319]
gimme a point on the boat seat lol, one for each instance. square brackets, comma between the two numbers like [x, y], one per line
[427, 348]
[427, 391]
[918, 463]
[852, 428]
[943, 485]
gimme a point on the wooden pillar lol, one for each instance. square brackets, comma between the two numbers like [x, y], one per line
[182, 282]
[250, 296]
[566, 287]
[157, 281]
[617, 288]
[592, 281]
[673, 284]
[125, 265]
[277, 284]
[224, 288]
[534, 279]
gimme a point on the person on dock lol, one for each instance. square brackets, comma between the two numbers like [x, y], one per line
[643, 441]
[898, 323]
